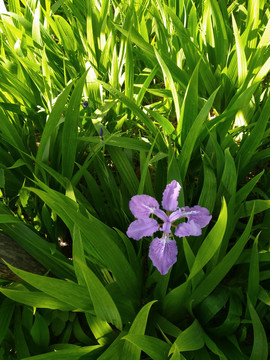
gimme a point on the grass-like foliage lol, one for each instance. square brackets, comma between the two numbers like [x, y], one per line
[101, 100]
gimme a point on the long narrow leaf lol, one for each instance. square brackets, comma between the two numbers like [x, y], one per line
[68, 292]
[260, 343]
[137, 328]
[153, 347]
[103, 304]
[220, 271]
[70, 130]
[211, 243]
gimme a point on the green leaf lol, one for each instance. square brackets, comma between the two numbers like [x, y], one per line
[2, 178]
[213, 347]
[144, 169]
[189, 47]
[36, 25]
[10, 133]
[209, 191]
[211, 306]
[211, 244]
[259, 206]
[66, 34]
[146, 185]
[165, 124]
[125, 169]
[43, 251]
[228, 182]
[6, 311]
[189, 108]
[249, 147]
[9, 219]
[98, 239]
[263, 71]
[167, 327]
[21, 345]
[193, 132]
[18, 163]
[245, 190]
[190, 339]
[100, 329]
[36, 299]
[254, 274]
[190, 258]
[46, 254]
[66, 354]
[104, 305]
[153, 347]
[51, 124]
[120, 141]
[131, 351]
[260, 343]
[146, 85]
[192, 55]
[138, 40]
[174, 304]
[91, 31]
[233, 318]
[263, 296]
[212, 280]
[168, 77]
[70, 130]
[65, 291]
[129, 71]
[253, 18]
[40, 332]
[78, 255]
[241, 98]
[131, 105]
[219, 32]
[114, 348]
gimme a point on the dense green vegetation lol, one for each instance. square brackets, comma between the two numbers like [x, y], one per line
[101, 100]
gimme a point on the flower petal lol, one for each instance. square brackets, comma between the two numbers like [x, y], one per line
[189, 228]
[198, 214]
[176, 215]
[166, 227]
[161, 214]
[170, 195]
[163, 253]
[142, 227]
[142, 206]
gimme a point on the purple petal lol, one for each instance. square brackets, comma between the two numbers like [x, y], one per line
[176, 215]
[188, 229]
[163, 253]
[142, 227]
[161, 214]
[142, 206]
[170, 195]
[198, 214]
[166, 227]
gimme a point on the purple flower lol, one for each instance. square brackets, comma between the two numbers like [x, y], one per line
[163, 251]
[85, 104]
[101, 132]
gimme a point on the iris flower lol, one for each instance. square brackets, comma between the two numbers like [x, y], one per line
[85, 104]
[163, 251]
